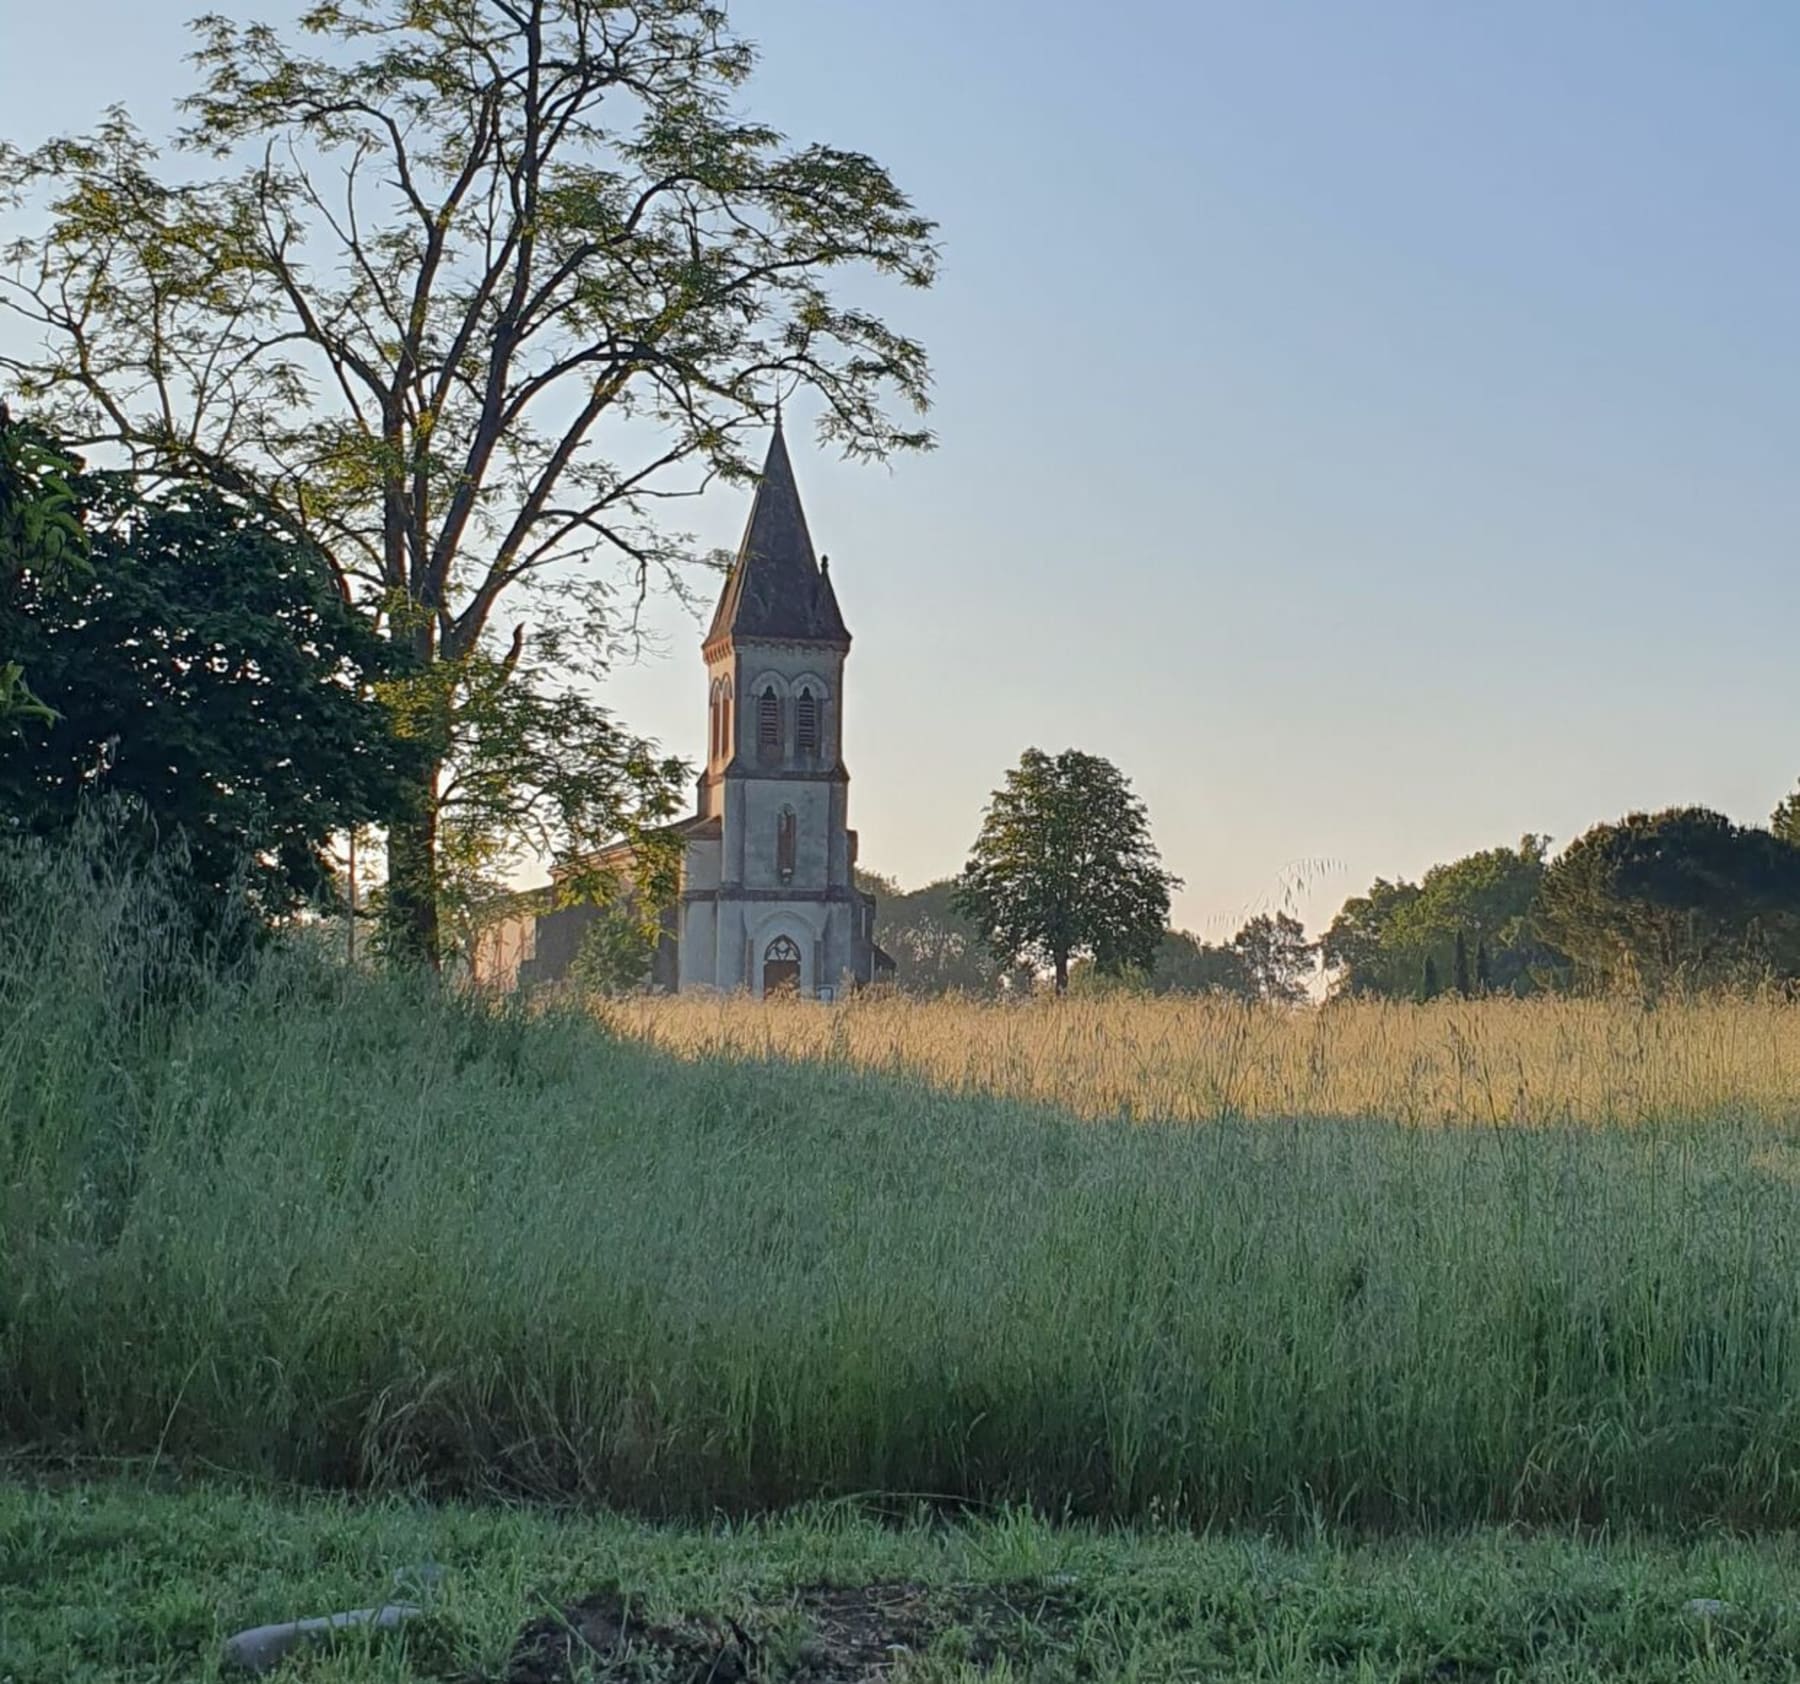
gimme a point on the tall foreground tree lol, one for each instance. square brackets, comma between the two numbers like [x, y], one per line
[1064, 866]
[473, 286]
[40, 538]
[201, 670]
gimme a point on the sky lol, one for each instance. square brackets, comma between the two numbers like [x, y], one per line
[1374, 427]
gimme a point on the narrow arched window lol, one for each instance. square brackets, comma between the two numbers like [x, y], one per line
[806, 724]
[768, 722]
[726, 741]
[715, 723]
[786, 841]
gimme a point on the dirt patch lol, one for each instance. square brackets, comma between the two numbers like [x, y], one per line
[602, 1634]
[823, 1634]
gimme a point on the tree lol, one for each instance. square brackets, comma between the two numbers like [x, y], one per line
[1378, 942]
[1276, 958]
[1682, 898]
[542, 766]
[1460, 979]
[1491, 894]
[40, 535]
[935, 948]
[1429, 986]
[1187, 965]
[1484, 972]
[1184, 964]
[1361, 948]
[446, 266]
[1064, 866]
[202, 669]
[617, 950]
[1785, 820]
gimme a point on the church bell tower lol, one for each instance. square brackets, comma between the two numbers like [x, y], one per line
[776, 908]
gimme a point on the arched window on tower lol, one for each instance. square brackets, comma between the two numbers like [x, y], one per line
[768, 722]
[714, 725]
[786, 842]
[727, 744]
[806, 726]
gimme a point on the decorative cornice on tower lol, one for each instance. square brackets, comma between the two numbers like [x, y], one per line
[776, 591]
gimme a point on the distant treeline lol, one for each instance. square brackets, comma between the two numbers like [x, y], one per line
[1677, 900]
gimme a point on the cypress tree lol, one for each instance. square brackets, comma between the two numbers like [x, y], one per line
[1484, 971]
[1429, 987]
[1459, 973]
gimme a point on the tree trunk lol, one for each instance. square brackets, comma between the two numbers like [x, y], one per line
[1062, 972]
[412, 909]
[414, 934]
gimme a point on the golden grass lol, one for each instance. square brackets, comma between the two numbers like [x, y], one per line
[1487, 1062]
[303, 1222]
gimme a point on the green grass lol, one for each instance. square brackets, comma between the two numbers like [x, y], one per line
[113, 1581]
[346, 1231]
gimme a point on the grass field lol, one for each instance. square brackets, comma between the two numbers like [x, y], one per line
[346, 1231]
[1548, 1061]
[120, 1582]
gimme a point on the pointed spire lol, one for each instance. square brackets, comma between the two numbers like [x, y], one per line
[828, 612]
[777, 591]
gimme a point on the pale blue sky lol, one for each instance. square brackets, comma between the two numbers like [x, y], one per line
[1374, 426]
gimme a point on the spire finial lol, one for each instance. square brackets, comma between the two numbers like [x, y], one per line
[824, 564]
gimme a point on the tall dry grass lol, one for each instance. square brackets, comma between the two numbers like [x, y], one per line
[340, 1227]
[1540, 1062]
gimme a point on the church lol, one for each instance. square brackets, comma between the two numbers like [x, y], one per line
[768, 901]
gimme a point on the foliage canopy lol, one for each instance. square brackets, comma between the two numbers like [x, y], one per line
[1064, 867]
[40, 534]
[1379, 942]
[464, 291]
[1677, 899]
[201, 668]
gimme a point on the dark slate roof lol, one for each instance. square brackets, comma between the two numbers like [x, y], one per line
[776, 591]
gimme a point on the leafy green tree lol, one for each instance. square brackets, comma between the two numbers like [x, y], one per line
[617, 950]
[1187, 965]
[935, 948]
[40, 536]
[204, 674]
[1276, 958]
[1460, 978]
[460, 294]
[541, 770]
[1484, 971]
[1362, 948]
[1785, 820]
[1378, 942]
[1492, 895]
[1184, 964]
[1682, 898]
[1064, 867]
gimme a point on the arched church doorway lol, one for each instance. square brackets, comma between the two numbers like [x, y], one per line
[781, 967]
